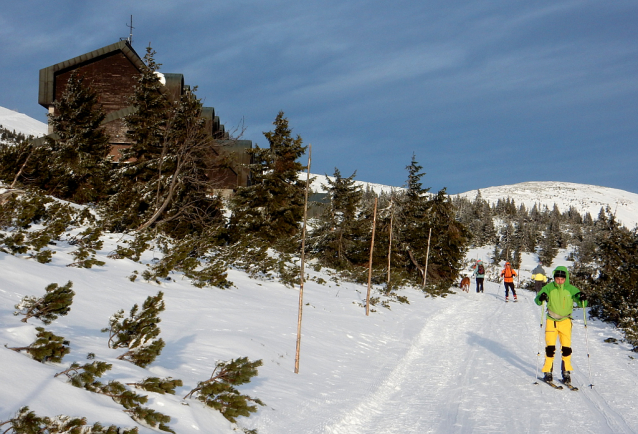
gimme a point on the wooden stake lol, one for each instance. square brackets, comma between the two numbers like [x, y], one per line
[301, 275]
[427, 256]
[374, 225]
[390, 243]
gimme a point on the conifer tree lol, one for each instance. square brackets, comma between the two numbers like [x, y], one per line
[56, 302]
[338, 228]
[27, 422]
[137, 333]
[167, 179]
[413, 221]
[272, 206]
[219, 390]
[79, 167]
[158, 385]
[449, 241]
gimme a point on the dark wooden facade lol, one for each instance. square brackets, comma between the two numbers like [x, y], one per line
[111, 71]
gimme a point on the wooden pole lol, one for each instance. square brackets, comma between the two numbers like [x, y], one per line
[427, 256]
[374, 224]
[390, 242]
[301, 274]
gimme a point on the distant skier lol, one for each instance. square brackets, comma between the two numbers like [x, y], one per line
[479, 274]
[508, 274]
[538, 274]
[560, 296]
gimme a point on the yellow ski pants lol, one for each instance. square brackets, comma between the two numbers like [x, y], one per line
[563, 331]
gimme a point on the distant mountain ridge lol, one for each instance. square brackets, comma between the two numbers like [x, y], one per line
[583, 197]
[21, 123]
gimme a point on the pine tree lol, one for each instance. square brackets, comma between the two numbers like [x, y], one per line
[27, 422]
[137, 333]
[272, 206]
[219, 390]
[47, 347]
[79, 167]
[158, 385]
[56, 302]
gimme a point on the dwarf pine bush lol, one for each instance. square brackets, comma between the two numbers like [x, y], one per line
[56, 302]
[219, 390]
[47, 347]
[138, 331]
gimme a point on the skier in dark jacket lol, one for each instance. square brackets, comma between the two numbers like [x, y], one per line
[479, 274]
[560, 296]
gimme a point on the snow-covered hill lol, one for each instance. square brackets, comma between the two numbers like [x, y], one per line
[585, 198]
[465, 363]
[21, 123]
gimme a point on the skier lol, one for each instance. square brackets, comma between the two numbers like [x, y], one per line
[538, 274]
[479, 274]
[508, 278]
[560, 296]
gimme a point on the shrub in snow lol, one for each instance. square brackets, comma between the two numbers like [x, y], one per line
[56, 302]
[138, 331]
[27, 422]
[219, 391]
[85, 376]
[155, 384]
[88, 241]
[47, 347]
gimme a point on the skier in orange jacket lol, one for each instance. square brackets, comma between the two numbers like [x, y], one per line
[508, 274]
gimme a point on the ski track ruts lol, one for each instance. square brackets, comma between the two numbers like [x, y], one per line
[407, 399]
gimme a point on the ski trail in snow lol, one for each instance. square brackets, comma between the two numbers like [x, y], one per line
[401, 392]
[471, 369]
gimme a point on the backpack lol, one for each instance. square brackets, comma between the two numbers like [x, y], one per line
[481, 269]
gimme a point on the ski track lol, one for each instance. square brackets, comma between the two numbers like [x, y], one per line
[471, 369]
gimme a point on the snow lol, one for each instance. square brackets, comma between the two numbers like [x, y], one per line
[19, 122]
[464, 363]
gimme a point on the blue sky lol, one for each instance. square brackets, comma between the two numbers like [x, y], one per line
[484, 93]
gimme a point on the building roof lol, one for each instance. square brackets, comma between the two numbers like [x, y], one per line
[46, 94]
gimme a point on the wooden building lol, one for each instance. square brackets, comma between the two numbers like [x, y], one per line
[111, 70]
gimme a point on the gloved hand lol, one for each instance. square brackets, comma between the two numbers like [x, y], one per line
[582, 296]
[543, 297]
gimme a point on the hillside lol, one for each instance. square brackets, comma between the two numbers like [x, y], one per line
[585, 198]
[465, 363]
[21, 123]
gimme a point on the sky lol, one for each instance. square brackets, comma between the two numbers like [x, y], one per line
[465, 363]
[482, 93]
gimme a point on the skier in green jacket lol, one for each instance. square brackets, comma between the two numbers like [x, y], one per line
[560, 296]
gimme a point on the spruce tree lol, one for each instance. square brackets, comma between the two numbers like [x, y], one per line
[338, 229]
[79, 147]
[272, 206]
[56, 302]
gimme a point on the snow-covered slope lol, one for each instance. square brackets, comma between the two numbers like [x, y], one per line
[585, 198]
[465, 363]
[21, 123]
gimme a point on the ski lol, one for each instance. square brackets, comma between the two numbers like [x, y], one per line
[570, 386]
[554, 385]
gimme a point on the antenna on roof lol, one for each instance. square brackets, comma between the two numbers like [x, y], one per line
[130, 35]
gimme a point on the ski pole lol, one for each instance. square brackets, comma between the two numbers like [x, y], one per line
[591, 385]
[538, 354]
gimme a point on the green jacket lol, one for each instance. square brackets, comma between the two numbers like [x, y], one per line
[560, 298]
